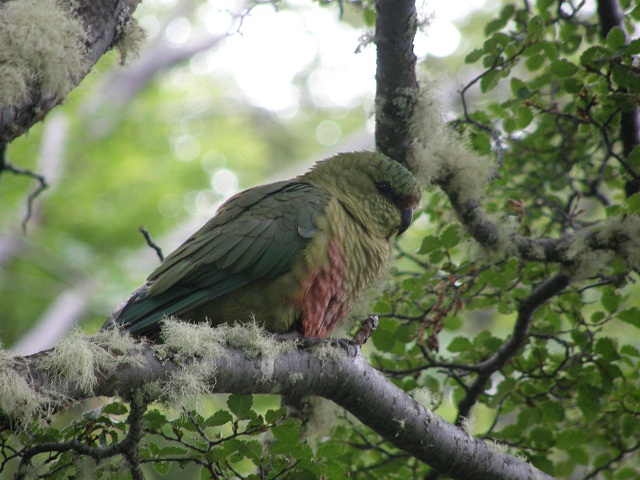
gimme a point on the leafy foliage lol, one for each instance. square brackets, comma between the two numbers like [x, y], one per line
[566, 399]
[549, 370]
[227, 444]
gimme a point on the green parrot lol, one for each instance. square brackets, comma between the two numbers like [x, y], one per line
[290, 255]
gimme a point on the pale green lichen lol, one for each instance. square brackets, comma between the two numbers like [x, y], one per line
[19, 401]
[439, 153]
[321, 417]
[468, 425]
[76, 359]
[497, 447]
[256, 342]
[189, 340]
[41, 47]
[189, 384]
[203, 341]
[424, 397]
[624, 232]
[71, 364]
[325, 352]
[186, 341]
[621, 233]
[129, 39]
[295, 377]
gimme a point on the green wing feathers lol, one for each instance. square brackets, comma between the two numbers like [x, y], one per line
[256, 235]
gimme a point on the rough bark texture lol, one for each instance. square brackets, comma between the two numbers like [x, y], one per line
[396, 84]
[103, 21]
[348, 381]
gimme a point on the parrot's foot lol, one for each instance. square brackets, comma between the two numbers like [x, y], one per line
[349, 346]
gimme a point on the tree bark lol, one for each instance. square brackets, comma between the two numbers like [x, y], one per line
[396, 84]
[103, 21]
[348, 381]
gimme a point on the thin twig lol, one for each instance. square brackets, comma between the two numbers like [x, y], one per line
[147, 236]
[6, 165]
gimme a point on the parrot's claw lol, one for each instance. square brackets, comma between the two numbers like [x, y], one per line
[352, 348]
[349, 346]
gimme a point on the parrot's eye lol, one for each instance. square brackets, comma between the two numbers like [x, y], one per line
[384, 189]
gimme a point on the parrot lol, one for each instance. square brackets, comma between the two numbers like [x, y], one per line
[292, 255]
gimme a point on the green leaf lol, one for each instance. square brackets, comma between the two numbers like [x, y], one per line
[594, 55]
[384, 337]
[330, 449]
[633, 159]
[633, 48]
[429, 243]
[523, 116]
[607, 348]
[542, 437]
[459, 344]
[570, 437]
[578, 455]
[626, 77]
[501, 21]
[630, 316]
[610, 299]
[615, 38]
[115, 408]
[169, 451]
[519, 88]
[535, 27]
[450, 237]
[241, 406]
[369, 17]
[534, 63]
[489, 81]
[552, 410]
[252, 449]
[543, 5]
[563, 68]
[219, 418]
[272, 416]
[629, 425]
[287, 441]
[589, 400]
[474, 55]
[162, 467]
[481, 142]
[543, 463]
[630, 351]
[155, 420]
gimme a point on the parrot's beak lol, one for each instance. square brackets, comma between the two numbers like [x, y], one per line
[405, 220]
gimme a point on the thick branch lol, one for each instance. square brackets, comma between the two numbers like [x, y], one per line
[396, 84]
[546, 250]
[350, 382]
[103, 21]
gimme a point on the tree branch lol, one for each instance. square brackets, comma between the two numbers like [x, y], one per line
[102, 22]
[325, 371]
[543, 292]
[611, 16]
[396, 84]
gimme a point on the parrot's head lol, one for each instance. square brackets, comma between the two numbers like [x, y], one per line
[379, 192]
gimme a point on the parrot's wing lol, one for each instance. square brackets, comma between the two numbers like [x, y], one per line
[256, 235]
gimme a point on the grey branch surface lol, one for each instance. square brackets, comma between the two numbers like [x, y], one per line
[348, 381]
[102, 21]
